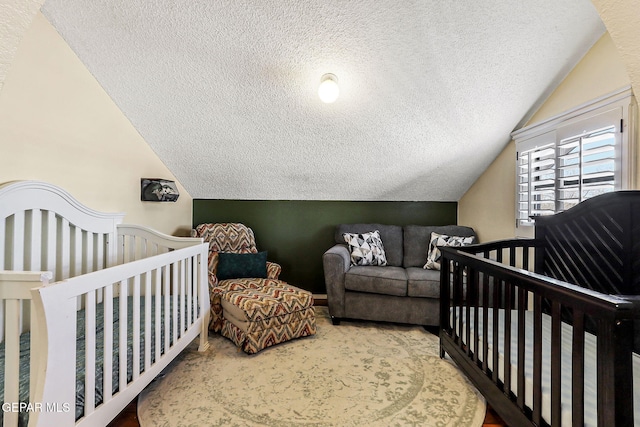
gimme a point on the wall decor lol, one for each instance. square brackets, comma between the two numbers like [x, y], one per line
[158, 190]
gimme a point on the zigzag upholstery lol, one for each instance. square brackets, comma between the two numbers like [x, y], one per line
[255, 313]
[227, 237]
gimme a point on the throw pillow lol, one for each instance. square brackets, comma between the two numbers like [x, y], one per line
[366, 248]
[237, 266]
[437, 240]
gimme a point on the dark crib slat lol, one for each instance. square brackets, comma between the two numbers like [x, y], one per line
[556, 367]
[615, 372]
[445, 301]
[507, 338]
[485, 323]
[470, 298]
[577, 369]
[522, 305]
[476, 336]
[497, 287]
[537, 359]
[457, 304]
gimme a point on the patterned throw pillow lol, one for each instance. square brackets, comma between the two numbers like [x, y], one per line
[437, 240]
[366, 248]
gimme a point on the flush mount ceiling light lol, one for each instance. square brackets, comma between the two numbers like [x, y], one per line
[328, 90]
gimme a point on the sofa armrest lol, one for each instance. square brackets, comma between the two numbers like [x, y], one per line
[336, 262]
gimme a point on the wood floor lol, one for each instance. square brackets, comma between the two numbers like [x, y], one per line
[129, 418]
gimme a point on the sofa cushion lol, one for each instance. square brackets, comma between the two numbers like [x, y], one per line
[391, 236]
[423, 283]
[377, 280]
[366, 248]
[417, 237]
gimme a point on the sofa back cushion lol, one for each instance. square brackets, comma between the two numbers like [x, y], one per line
[391, 236]
[417, 237]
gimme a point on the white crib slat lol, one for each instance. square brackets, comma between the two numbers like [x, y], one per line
[136, 327]
[88, 263]
[194, 288]
[167, 313]
[189, 290]
[76, 251]
[132, 249]
[36, 340]
[122, 346]
[121, 247]
[99, 251]
[143, 248]
[175, 318]
[64, 254]
[12, 360]
[50, 233]
[182, 297]
[108, 345]
[90, 353]
[35, 253]
[3, 233]
[147, 318]
[19, 242]
[158, 317]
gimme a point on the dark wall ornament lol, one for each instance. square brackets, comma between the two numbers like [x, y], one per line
[158, 190]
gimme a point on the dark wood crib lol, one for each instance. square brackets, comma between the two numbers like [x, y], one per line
[559, 313]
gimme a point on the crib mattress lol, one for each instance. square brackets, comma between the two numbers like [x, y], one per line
[590, 383]
[80, 354]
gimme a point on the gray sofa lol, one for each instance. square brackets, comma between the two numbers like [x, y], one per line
[402, 291]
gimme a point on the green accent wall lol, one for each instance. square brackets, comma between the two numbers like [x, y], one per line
[297, 233]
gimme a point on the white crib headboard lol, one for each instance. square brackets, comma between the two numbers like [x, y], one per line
[43, 228]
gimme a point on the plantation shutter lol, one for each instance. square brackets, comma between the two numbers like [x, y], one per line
[536, 178]
[574, 156]
[587, 153]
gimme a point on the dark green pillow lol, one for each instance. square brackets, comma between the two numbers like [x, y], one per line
[237, 266]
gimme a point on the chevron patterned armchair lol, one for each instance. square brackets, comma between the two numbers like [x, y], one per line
[249, 304]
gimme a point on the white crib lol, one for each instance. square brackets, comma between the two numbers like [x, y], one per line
[95, 297]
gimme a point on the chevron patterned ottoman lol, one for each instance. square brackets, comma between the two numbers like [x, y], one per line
[259, 318]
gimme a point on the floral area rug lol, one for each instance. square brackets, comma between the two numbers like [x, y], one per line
[354, 374]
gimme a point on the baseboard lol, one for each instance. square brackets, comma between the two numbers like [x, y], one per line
[319, 299]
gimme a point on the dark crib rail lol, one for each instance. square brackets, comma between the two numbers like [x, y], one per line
[495, 275]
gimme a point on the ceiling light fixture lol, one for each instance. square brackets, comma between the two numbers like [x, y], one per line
[328, 90]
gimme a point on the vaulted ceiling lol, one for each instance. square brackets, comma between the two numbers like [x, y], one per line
[225, 92]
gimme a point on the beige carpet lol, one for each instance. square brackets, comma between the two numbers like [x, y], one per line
[355, 374]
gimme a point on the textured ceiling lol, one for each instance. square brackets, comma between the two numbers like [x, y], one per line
[15, 17]
[225, 92]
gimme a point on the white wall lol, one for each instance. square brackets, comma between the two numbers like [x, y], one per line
[58, 125]
[489, 205]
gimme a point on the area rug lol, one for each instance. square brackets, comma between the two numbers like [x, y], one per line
[354, 374]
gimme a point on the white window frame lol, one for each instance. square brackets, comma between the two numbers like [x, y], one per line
[550, 133]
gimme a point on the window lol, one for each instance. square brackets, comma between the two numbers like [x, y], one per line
[572, 157]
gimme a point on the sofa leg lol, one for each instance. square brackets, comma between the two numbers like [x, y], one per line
[335, 320]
